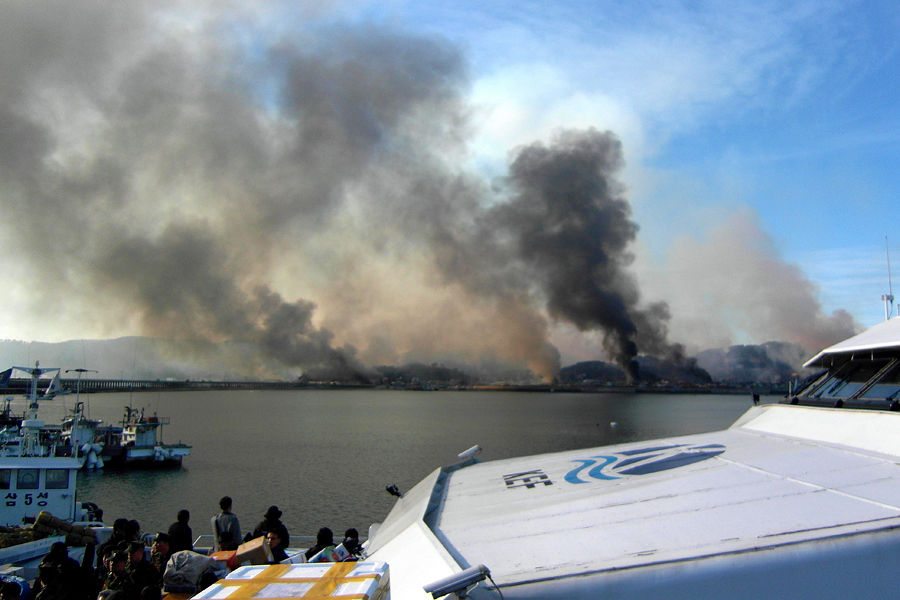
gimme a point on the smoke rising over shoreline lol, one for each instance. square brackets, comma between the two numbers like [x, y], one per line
[304, 194]
[565, 231]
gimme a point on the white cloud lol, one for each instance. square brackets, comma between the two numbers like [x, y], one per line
[524, 103]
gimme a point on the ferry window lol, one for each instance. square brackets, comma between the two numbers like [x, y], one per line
[27, 479]
[57, 479]
[4, 478]
[887, 388]
[848, 381]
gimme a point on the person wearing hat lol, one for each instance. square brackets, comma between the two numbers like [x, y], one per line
[160, 552]
[119, 578]
[141, 571]
[272, 522]
[119, 534]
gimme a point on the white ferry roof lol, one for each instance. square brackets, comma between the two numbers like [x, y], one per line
[634, 520]
[883, 336]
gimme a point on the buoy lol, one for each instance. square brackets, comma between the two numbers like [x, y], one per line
[92, 459]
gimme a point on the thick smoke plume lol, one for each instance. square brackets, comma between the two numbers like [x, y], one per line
[194, 176]
[565, 231]
[181, 179]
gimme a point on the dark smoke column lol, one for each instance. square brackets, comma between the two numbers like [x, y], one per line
[570, 225]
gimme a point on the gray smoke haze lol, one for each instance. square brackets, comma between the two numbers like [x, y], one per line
[736, 278]
[178, 176]
[772, 362]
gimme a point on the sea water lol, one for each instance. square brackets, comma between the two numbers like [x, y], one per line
[324, 457]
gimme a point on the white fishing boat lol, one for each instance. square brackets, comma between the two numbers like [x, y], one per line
[29, 436]
[38, 474]
[138, 442]
[80, 431]
[37, 467]
[792, 501]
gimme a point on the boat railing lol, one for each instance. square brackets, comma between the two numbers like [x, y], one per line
[148, 421]
[204, 543]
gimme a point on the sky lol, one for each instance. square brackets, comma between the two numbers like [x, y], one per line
[528, 184]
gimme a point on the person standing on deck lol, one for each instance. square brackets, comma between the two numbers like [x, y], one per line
[180, 535]
[226, 528]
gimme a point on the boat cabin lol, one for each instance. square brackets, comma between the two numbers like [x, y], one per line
[30, 485]
[861, 372]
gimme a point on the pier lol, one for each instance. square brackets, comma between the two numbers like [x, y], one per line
[88, 386]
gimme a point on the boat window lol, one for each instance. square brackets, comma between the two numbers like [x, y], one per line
[4, 479]
[27, 479]
[850, 379]
[887, 388]
[57, 479]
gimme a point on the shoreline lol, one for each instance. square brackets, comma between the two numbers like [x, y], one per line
[91, 386]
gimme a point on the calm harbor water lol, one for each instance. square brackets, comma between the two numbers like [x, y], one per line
[325, 457]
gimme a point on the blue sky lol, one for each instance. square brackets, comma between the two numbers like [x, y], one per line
[786, 109]
[760, 140]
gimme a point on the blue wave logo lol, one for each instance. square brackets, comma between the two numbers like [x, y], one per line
[641, 462]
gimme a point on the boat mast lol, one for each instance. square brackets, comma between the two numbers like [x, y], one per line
[35, 373]
[31, 425]
[888, 298]
[78, 385]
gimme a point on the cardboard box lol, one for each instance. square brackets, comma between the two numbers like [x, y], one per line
[254, 552]
[359, 580]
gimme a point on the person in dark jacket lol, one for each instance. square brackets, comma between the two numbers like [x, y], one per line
[351, 544]
[119, 534]
[119, 579]
[142, 573]
[160, 552]
[272, 522]
[180, 535]
[275, 545]
[324, 539]
[59, 575]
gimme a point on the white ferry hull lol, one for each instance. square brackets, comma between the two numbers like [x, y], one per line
[791, 502]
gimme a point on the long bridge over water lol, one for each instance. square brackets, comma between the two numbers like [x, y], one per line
[87, 386]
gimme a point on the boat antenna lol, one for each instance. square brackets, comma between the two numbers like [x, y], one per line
[80, 371]
[888, 298]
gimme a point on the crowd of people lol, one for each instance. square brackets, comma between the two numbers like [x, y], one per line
[226, 528]
[121, 568]
[117, 569]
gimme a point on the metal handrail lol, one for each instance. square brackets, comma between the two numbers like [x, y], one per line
[204, 543]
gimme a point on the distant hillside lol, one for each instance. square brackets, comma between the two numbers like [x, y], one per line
[153, 358]
[144, 358]
[419, 374]
[651, 370]
[771, 363]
